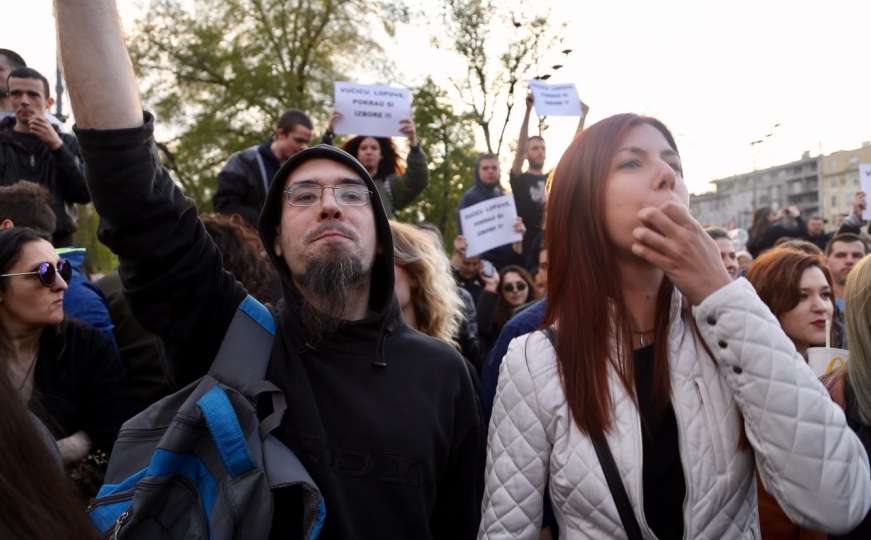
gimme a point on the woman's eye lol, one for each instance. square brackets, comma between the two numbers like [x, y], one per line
[630, 164]
[677, 168]
[826, 295]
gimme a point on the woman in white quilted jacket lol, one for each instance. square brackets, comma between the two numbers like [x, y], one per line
[684, 373]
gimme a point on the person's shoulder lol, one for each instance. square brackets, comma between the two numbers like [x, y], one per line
[428, 352]
[529, 318]
[531, 353]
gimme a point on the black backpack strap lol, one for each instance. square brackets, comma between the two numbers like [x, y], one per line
[612, 475]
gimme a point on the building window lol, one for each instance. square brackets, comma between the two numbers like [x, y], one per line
[834, 201]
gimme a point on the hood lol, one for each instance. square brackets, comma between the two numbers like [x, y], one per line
[381, 296]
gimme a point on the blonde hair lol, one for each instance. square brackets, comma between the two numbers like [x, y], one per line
[437, 304]
[857, 318]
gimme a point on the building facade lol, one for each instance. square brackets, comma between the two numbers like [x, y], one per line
[839, 180]
[733, 200]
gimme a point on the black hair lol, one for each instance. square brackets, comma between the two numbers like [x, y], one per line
[292, 118]
[29, 73]
[14, 58]
[389, 163]
[535, 137]
[28, 205]
[12, 242]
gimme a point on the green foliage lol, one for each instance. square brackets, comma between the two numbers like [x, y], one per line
[219, 73]
[447, 138]
[99, 259]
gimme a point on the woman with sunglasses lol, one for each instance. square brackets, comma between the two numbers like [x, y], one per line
[503, 293]
[67, 371]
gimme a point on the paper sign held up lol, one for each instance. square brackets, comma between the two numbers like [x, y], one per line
[555, 99]
[865, 182]
[371, 109]
[489, 224]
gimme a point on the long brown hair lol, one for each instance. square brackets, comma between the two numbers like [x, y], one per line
[584, 295]
[38, 501]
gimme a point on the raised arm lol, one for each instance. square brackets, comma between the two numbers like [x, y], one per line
[170, 268]
[523, 138]
[97, 68]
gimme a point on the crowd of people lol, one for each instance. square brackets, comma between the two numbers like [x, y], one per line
[622, 371]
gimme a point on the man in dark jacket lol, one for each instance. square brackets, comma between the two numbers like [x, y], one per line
[487, 187]
[32, 149]
[384, 418]
[245, 178]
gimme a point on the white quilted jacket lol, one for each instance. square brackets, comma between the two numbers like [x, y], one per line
[807, 456]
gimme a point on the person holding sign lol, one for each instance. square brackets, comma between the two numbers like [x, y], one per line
[487, 187]
[398, 186]
[528, 187]
[658, 383]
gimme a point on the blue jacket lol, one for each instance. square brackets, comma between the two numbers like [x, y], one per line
[82, 299]
[524, 322]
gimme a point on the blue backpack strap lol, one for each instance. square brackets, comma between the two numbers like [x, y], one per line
[226, 431]
[244, 353]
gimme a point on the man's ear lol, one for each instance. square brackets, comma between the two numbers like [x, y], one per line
[49, 102]
[6, 224]
[280, 134]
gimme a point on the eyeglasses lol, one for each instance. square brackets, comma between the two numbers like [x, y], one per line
[347, 195]
[509, 287]
[48, 273]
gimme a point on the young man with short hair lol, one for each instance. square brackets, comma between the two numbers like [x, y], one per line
[32, 149]
[245, 178]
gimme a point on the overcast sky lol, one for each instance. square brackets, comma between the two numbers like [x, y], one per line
[719, 74]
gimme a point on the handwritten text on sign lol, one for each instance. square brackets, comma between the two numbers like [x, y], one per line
[489, 224]
[371, 109]
[865, 182]
[555, 99]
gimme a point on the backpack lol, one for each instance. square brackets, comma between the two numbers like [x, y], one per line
[200, 464]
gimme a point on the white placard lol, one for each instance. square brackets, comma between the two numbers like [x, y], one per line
[865, 182]
[489, 224]
[555, 99]
[371, 109]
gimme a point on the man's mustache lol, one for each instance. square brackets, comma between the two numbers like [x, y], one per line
[329, 227]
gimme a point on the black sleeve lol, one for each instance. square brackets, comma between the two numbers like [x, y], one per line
[328, 138]
[70, 171]
[170, 267]
[107, 402]
[457, 511]
[232, 192]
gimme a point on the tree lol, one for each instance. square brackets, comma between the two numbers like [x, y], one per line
[219, 73]
[447, 138]
[476, 28]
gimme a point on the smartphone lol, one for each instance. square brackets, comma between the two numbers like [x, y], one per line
[488, 268]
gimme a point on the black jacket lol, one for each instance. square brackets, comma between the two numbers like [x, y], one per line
[59, 171]
[243, 182]
[79, 384]
[385, 419]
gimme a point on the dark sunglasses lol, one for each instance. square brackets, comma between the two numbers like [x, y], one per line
[48, 273]
[509, 287]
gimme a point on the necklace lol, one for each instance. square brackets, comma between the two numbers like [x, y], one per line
[29, 371]
[641, 335]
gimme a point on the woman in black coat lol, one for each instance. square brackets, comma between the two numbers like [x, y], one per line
[67, 371]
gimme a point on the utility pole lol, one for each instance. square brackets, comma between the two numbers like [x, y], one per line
[59, 92]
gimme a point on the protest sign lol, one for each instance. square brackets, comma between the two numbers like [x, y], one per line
[489, 224]
[865, 183]
[371, 109]
[555, 99]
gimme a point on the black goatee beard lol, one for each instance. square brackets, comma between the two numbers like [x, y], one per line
[331, 280]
